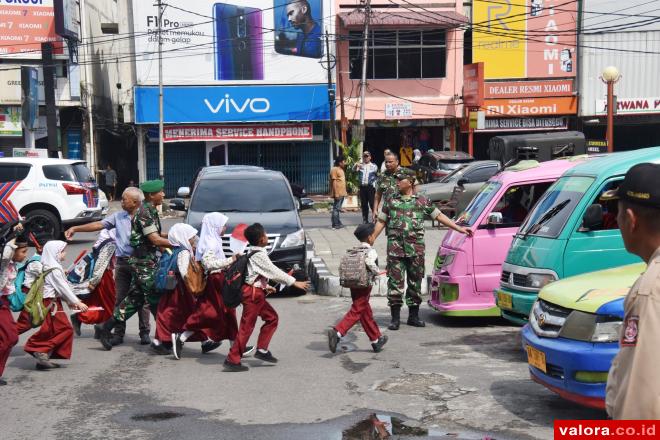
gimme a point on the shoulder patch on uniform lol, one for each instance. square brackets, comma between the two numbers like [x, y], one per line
[630, 332]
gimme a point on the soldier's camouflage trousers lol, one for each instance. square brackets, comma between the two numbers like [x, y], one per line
[398, 269]
[141, 290]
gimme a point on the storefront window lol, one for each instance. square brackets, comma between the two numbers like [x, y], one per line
[400, 54]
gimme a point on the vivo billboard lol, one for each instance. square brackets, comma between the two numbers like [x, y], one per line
[233, 42]
[207, 104]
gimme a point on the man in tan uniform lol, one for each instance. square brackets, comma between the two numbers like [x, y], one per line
[633, 385]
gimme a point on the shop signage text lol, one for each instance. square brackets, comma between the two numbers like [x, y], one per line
[237, 132]
[531, 106]
[525, 124]
[595, 146]
[25, 25]
[529, 89]
[630, 105]
[250, 103]
[396, 110]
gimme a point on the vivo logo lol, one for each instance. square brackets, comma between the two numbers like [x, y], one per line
[228, 105]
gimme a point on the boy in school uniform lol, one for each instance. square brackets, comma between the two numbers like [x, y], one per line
[258, 272]
[360, 309]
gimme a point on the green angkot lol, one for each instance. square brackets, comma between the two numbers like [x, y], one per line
[404, 220]
[143, 262]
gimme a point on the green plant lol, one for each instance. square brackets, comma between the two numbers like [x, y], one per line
[351, 153]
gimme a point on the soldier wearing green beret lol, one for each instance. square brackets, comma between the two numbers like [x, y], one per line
[146, 238]
[403, 216]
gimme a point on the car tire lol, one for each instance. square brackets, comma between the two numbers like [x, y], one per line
[42, 220]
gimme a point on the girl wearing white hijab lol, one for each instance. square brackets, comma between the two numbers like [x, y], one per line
[175, 307]
[54, 339]
[211, 317]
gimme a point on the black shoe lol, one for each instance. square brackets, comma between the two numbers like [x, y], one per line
[413, 317]
[266, 357]
[234, 368]
[145, 339]
[116, 340]
[104, 334]
[333, 340]
[75, 322]
[160, 349]
[208, 346]
[2, 382]
[378, 346]
[249, 350]
[396, 318]
[97, 331]
[177, 345]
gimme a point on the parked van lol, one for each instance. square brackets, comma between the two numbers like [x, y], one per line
[466, 271]
[573, 332]
[570, 231]
[536, 146]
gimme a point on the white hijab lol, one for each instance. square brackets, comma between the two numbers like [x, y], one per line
[50, 255]
[210, 238]
[180, 235]
[104, 235]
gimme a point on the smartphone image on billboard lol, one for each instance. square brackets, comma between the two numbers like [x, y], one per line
[299, 28]
[239, 49]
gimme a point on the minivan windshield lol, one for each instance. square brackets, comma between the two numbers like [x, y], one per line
[478, 204]
[551, 213]
[242, 195]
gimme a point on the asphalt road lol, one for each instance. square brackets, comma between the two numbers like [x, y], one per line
[463, 377]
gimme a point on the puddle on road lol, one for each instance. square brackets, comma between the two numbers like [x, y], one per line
[157, 416]
[381, 427]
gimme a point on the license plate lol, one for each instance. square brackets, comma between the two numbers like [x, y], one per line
[536, 358]
[504, 301]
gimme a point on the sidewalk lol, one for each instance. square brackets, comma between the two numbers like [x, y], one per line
[331, 244]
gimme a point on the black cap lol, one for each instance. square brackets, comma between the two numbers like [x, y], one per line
[640, 186]
[363, 231]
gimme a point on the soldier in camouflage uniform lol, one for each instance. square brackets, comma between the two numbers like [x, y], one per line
[386, 183]
[146, 238]
[403, 216]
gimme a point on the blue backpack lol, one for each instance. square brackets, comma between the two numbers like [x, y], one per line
[166, 273]
[17, 299]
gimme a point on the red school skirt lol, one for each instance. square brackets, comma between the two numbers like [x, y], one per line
[102, 296]
[212, 317]
[174, 308]
[55, 335]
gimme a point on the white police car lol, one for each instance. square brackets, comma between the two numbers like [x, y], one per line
[52, 194]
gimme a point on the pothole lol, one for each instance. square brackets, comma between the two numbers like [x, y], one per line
[156, 416]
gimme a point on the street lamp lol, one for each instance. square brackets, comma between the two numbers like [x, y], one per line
[610, 76]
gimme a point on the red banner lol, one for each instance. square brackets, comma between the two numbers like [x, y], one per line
[237, 133]
[473, 85]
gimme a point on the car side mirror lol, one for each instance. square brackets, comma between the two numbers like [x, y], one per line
[462, 181]
[593, 218]
[494, 218]
[178, 204]
[183, 192]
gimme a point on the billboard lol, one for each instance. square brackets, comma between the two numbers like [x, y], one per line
[525, 38]
[473, 85]
[24, 26]
[66, 18]
[10, 121]
[29, 96]
[564, 105]
[234, 41]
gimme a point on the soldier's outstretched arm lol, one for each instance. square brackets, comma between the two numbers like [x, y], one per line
[443, 219]
[380, 225]
[157, 240]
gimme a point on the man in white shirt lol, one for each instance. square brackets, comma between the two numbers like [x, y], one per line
[367, 171]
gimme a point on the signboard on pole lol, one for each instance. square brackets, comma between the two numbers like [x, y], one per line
[66, 18]
[473, 85]
[29, 96]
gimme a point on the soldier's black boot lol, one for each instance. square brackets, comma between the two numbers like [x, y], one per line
[413, 317]
[105, 335]
[396, 318]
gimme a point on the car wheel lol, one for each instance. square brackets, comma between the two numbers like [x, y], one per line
[43, 221]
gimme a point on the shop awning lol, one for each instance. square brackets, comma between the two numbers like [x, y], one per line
[398, 19]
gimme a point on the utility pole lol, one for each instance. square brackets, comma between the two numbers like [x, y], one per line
[363, 80]
[161, 146]
[91, 150]
[331, 92]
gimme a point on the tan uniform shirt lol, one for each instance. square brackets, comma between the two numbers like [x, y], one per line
[633, 385]
[337, 183]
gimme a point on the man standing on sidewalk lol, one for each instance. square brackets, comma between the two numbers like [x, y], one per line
[337, 190]
[131, 200]
[403, 216]
[386, 183]
[633, 388]
[367, 174]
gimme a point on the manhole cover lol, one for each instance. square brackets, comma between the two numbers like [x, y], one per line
[157, 416]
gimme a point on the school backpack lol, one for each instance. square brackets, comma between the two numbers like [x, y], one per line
[353, 272]
[165, 280]
[82, 269]
[17, 299]
[234, 279]
[34, 301]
